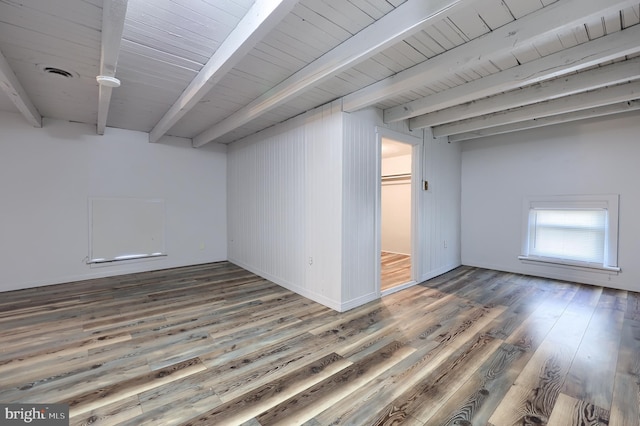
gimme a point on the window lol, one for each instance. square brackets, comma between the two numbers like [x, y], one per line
[572, 230]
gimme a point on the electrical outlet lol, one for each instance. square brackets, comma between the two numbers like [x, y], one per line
[445, 243]
[202, 246]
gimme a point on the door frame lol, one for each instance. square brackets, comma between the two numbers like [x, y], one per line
[416, 206]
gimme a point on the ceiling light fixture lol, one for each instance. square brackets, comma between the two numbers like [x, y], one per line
[105, 80]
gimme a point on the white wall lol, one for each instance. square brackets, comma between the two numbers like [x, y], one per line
[598, 156]
[395, 202]
[48, 174]
[441, 206]
[285, 204]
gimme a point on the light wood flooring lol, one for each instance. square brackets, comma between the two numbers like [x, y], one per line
[395, 269]
[216, 345]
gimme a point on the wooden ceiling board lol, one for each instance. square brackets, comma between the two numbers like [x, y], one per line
[441, 39]
[595, 29]
[264, 69]
[34, 26]
[375, 11]
[548, 45]
[425, 44]
[333, 33]
[399, 57]
[630, 16]
[520, 8]
[77, 13]
[468, 22]
[283, 38]
[341, 13]
[396, 3]
[451, 33]
[373, 69]
[187, 18]
[154, 73]
[279, 56]
[494, 13]
[526, 53]
[237, 8]
[581, 34]
[568, 38]
[157, 56]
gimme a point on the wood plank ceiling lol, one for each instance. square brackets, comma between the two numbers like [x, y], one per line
[218, 70]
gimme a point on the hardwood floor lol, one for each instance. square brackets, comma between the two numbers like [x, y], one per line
[395, 269]
[216, 345]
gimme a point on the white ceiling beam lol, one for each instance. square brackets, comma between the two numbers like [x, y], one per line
[538, 24]
[607, 48]
[592, 99]
[405, 20]
[113, 15]
[12, 87]
[548, 121]
[263, 16]
[608, 75]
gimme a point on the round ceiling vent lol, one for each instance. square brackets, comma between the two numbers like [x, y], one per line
[58, 72]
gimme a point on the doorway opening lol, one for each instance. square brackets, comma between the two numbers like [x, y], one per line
[397, 211]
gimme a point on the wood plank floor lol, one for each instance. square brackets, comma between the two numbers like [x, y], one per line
[395, 269]
[216, 345]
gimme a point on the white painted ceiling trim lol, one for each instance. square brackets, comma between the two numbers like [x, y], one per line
[522, 32]
[14, 90]
[608, 75]
[603, 49]
[548, 121]
[407, 19]
[113, 16]
[263, 16]
[592, 99]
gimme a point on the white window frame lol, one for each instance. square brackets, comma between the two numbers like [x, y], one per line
[610, 202]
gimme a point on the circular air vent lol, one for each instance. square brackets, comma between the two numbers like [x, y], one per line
[58, 72]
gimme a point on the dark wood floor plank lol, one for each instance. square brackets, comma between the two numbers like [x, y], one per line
[479, 396]
[248, 405]
[305, 405]
[88, 401]
[425, 398]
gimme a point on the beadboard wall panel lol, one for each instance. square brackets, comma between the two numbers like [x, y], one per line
[266, 205]
[324, 227]
[284, 203]
[360, 185]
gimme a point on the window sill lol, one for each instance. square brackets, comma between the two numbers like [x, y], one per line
[568, 263]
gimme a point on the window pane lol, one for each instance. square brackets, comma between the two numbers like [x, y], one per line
[568, 234]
